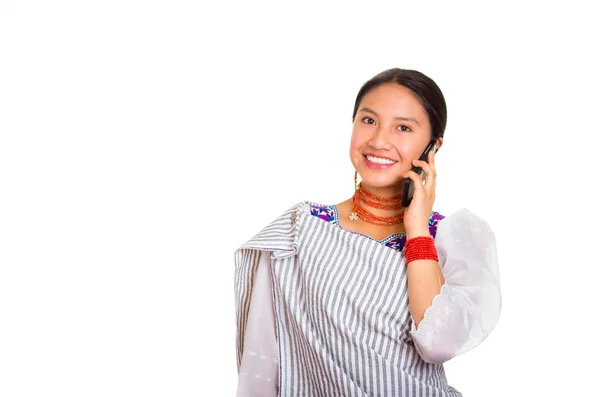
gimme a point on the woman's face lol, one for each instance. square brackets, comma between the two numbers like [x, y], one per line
[390, 129]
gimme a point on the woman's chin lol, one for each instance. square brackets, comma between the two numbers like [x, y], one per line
[382, 183]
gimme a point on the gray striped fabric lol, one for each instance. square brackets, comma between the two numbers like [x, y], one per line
[341, 308]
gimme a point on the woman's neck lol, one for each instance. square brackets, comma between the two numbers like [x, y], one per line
[385, 192]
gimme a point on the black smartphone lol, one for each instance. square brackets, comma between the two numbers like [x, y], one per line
[409, 186]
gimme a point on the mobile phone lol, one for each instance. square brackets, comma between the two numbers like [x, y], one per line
[409, 186]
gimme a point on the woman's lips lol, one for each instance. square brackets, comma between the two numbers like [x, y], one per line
[378, 166]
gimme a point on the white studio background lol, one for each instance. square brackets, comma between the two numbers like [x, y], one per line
[142, 142]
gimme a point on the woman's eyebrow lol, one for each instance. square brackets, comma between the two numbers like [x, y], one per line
[397, 118]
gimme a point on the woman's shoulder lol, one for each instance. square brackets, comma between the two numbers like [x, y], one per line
[464, 218]
[281, 233]
[466, 229]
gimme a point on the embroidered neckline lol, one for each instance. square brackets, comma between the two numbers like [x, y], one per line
[385, 240]
[329, 213]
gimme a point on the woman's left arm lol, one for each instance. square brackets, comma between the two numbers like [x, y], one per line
[455, 303]
[454, 317]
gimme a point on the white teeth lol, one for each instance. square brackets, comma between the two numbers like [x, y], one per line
[379, 161]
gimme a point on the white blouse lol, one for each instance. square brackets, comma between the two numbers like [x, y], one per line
[258, 373]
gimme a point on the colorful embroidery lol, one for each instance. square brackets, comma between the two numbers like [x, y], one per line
[325, 213]
[433, 222]
[395, 241]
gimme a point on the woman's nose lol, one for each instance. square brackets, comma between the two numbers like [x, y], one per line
[380, 139]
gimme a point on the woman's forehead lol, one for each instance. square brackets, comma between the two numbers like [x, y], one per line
[392, 100]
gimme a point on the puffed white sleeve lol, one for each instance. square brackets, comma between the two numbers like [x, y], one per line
[258, 373]
[468, 306]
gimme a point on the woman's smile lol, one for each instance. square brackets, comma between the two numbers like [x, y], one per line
[378, 162]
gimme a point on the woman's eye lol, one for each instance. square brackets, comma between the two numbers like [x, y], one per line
[368, 120]
[403, 128]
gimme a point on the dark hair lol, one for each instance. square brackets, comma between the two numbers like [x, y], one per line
[425, 89]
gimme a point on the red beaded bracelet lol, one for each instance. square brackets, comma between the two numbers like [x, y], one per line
[421, 247]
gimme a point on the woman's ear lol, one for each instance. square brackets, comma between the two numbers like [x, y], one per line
[438, 144]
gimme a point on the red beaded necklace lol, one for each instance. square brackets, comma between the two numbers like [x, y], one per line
[384, 203]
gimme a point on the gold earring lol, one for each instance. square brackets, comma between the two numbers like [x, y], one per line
[353, 215]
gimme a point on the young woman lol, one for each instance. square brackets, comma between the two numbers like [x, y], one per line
[369, 297]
